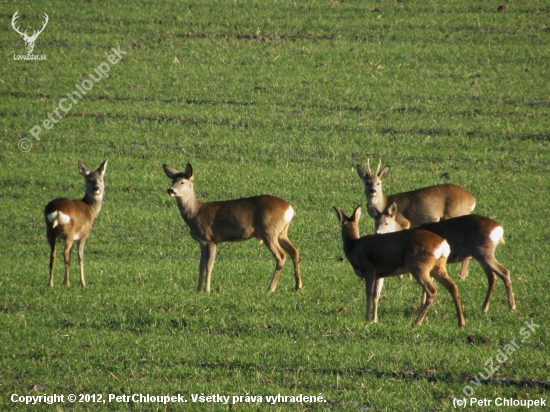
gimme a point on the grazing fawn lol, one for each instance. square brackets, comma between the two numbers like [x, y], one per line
[415, 251]
[264, 217]
[468, 236]
[428, 204]
[72, 220]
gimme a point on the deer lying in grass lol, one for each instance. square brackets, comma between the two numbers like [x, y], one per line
[264, 217]
[468, 236]
[416, 251]
[429, 204]
[72, 220]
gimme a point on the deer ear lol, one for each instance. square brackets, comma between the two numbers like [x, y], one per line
[102, 168]
[339, 214]
[83, 169]
[170, 171]
[356, 214]
[373, 212]
[361, 172]
[384, 172]
[392, 210]
[189, 171]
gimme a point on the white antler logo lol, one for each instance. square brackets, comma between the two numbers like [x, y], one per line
[29, 40]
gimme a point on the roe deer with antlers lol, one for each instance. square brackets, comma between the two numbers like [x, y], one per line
[264, 217]
[428, 204]
[468, 236]
[72, 220]
[419, 252]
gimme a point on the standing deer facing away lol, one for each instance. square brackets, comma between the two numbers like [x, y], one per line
[72, 220]
[416, 251]
[429, 204]
[264, 217]
[469, 235]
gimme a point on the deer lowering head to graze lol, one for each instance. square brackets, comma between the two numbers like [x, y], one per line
[72, 220]
[264, 217]
[468, 236]
[29, 40]
[415, 251]
[429, 204]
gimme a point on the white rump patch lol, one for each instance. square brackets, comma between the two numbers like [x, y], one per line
[473, 207]
[52, 216]
[289, 214]
[443, 250]
[63, 218]
[496, 234]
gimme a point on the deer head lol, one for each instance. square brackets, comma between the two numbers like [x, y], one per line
[29, 40]
[373, 182]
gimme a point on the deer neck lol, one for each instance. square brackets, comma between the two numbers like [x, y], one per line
[350, 234]
[379, 202]
[189, 207]
[94, 202]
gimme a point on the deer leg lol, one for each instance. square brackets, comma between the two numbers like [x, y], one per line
[464, 268]
[491, 279]
[67, 256]
[208, 255]
[211, 257]
[439, 273]
[429, 290]
[492, 266]
[81, 261]
[51, 241]
[370, 284]
[378, 284]
[202, 267]
[287, 245]
[280, 257]
[504, 274]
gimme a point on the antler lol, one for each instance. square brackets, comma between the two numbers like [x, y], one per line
[377, 169]
[15, 17]
[24, 34]
[35, 33]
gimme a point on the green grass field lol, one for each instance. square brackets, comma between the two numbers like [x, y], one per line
[281, 98]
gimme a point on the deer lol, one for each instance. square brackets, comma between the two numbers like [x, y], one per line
[29, 40]
[416, 251]
[428, 204]
[264, 217]
[72, 220]
[468, 236]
